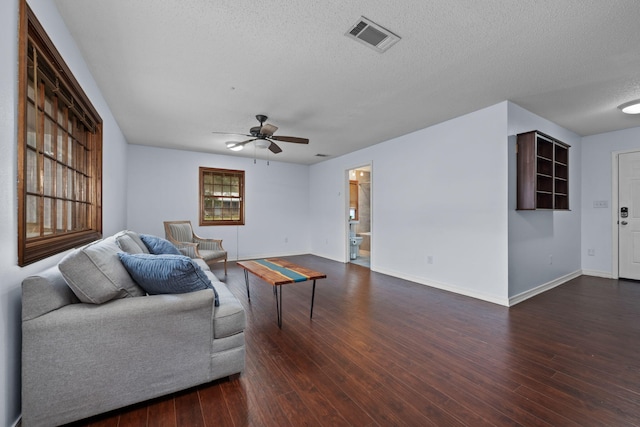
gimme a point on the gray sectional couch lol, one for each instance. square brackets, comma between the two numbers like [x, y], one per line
[94, 341]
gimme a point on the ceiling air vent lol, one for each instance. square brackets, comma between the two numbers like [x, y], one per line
[373, 35]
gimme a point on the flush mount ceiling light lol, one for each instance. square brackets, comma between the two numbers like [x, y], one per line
[631, 107]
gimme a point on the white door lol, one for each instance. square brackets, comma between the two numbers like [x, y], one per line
[629, 215]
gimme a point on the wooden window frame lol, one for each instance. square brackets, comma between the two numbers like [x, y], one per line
[70, 114]
[203, 196]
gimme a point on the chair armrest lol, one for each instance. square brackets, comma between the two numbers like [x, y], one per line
[209, 244]
[188, 249]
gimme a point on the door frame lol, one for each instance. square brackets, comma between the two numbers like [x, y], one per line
[615, 239]
[369, 164]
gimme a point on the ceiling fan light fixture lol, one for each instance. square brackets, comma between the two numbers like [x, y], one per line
[263, 137]
[234, 146]
[631, 107]
[262, 143]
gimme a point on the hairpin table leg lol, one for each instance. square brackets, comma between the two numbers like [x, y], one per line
[313, 295]
[279, 304]
[246, 281]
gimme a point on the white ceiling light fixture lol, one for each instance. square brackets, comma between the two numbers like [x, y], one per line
[262, 143]
[631, 107]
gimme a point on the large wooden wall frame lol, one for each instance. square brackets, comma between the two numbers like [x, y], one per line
[45, 64]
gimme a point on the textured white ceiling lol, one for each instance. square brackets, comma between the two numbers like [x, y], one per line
[174, 71]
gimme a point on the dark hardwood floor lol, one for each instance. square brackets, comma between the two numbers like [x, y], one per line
[381, 351]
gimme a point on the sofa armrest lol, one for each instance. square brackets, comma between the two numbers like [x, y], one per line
[84, 359]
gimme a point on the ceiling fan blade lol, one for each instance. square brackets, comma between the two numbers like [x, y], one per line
[293, 139]
[268, 129]
[274, 148]
[234, 144]
[231, 133]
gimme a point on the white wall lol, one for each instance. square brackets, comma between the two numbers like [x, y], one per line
[114, 188]
[596, 186]
[534, 236]
[440, 192]
[163, 186]
[11, 275]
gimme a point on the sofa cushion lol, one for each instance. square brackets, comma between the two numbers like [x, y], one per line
[130, 242]
[167, 274]
[95, 274]
[159, 246]
[203, 265]
[229, 317]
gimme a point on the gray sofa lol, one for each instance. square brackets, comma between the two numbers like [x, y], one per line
[93, 341]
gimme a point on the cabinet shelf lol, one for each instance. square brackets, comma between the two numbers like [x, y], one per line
[543, 172]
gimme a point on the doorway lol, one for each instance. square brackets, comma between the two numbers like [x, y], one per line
[359, 215]
[628, 215]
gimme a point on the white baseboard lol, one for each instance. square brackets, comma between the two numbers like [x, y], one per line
[596, 273]
[543, 288]
[507, 302]
[329, 256]
[446, 287]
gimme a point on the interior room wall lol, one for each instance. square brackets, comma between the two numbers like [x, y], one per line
[544, 246]
[10, 273]
[163, 185]
[453, 181]
[438, 194]
[114, 186]
[597, 184]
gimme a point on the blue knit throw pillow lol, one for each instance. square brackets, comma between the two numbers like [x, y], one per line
[166, 274]
[158, 245]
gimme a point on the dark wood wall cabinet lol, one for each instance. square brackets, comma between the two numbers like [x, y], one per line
[543, 172]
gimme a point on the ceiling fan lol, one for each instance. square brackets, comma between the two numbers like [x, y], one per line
[263, 137]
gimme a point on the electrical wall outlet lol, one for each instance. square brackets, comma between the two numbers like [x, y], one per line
[600, 203]
[429, 259]
[591, 252]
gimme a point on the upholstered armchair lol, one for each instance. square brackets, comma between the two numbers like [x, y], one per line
[181, 234]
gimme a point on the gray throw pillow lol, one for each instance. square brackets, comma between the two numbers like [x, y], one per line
[95, 274]
[166, 274]
[130, 242]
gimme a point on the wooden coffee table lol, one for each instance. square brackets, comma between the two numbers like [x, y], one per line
[278, 272]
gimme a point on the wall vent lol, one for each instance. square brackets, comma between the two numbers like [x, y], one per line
[373, 35]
